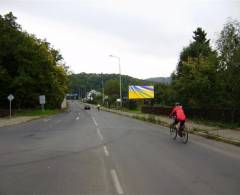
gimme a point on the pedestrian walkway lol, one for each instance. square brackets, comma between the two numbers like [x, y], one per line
[227, 133]
[6, 121]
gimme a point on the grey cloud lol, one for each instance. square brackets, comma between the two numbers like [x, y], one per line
[142, 36]
[158, 38]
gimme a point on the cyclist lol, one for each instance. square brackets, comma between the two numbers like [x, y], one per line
[98, 107]
[179, 115]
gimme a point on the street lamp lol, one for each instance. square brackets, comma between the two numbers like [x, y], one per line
[120, 80]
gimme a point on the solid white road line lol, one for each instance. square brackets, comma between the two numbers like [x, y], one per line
[116, 182]
[106, 151]
[95, 122]
[46, 120]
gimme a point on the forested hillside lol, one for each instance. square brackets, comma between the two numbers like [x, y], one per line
[83, 82]
[163, 80]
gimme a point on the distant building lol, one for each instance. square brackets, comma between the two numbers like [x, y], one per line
[92, 93]
[71, 96]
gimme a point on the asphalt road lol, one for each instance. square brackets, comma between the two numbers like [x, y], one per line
[91, 152]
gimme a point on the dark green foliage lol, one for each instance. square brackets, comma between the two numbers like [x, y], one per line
[164, 94]
[112, 90]
[208, 78]
[198, 48]
[130, 104]
[29, 67]
[228, 46]
[194, 81]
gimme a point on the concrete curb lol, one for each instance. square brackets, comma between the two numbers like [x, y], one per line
[154, 119]
[217, 138]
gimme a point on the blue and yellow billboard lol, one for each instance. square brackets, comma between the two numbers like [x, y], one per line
[140, 92]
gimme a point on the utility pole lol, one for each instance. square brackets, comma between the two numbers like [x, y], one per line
[102, 91]
[120, 79]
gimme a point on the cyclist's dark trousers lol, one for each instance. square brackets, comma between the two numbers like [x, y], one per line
[181, 123]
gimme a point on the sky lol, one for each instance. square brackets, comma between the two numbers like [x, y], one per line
[147, 35]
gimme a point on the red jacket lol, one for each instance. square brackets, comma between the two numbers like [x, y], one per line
[179, 113]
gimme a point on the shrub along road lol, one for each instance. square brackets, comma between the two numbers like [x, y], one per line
[91, 152]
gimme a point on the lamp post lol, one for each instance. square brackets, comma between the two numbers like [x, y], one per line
[120, 80]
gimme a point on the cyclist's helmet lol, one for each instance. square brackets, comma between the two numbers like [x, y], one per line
[177, 104]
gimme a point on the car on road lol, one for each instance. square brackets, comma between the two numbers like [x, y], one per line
[87, 107]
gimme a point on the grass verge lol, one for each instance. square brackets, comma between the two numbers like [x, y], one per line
[216, 124]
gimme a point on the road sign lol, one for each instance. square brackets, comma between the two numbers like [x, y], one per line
[42, 99]
[10, 97]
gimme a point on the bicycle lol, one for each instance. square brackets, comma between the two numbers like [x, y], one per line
[174, 132]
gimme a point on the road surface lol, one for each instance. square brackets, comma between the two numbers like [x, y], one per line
[91, 152]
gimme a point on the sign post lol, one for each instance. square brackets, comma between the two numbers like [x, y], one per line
[10, 98]
[42, 101]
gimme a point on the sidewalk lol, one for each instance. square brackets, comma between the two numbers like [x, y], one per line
[16, 120]
[213, 132]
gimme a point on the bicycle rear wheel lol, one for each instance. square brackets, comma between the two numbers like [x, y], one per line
[173, 132]
[184, 136]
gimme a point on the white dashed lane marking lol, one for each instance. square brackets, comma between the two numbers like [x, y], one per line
[99, 133]
[95, 122]
[116, 182]
[106, 151]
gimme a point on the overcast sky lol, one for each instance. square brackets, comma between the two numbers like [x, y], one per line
[147, 35]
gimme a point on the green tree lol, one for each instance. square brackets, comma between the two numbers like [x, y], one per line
[198, 48]
[112, 90]
[194, 80]
[196, 85]
[29, 67]
[164, 94]
[228, 45]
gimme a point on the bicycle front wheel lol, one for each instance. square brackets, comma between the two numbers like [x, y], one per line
[184, 136]
[173, 132]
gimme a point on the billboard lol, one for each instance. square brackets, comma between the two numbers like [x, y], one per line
[140, 92]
